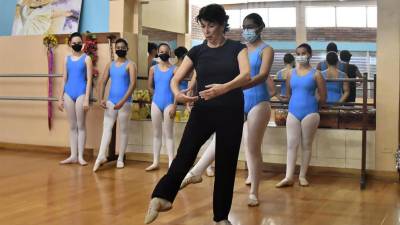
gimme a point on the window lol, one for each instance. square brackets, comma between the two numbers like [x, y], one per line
[263, 12]
[351, 16]
[320, 17]
[282, 17]
[234, 18]
[354, 16]
[372, 16]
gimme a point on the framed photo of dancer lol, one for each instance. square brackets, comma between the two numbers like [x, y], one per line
[37, 17]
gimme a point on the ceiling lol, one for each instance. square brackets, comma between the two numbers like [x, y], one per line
[225, 2]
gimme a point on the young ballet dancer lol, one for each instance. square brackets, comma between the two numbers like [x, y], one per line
[74, 96]
[122, 73]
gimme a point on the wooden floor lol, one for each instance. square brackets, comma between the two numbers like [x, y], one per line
[35, 190]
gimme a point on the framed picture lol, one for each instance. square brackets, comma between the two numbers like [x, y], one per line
[37, 17]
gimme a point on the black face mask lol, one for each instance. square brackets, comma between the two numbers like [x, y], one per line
[77, 47]
[121, 53]
[164, 57]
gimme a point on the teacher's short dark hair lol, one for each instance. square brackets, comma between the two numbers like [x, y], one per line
[214, 13]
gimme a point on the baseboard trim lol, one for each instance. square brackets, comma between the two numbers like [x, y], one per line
[41, 149]
[334, 171]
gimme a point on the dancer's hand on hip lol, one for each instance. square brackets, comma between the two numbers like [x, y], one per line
[172, 112]
[103, 104]
[212, 91]
[60, 105]
[86, 105]
[119, 105]
[184, 98]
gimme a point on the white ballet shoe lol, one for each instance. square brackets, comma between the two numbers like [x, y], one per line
[82, 162]
[156, 205]
[120, 164]
[248, 181]
[223, 222]
[303, 182]
[210, 172]
[98, 163]
[152, 167]
[252, 201]
[284, 183]
[69, 160]
[191, 179]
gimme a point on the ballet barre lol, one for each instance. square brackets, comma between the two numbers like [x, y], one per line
[278, 103]
[24, 98]
[111, 152]
[142, 78]
[29, 75]
[32, 98]
[146, 78]
[336, 80]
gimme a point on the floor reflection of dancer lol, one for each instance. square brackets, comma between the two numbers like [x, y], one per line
[336, 91]
[352, 72]
[288, 60]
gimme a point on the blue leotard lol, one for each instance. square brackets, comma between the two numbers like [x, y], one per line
[259, 93]
[283, 84]
[324, 65]
[76, 77]
[163, 95]
[342, 67]
[334, 89]
[120, 82]
[303, 101]
[183, 85]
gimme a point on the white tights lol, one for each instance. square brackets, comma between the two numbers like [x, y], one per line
[162, 124]
[253, 133]
[300, 132]
[206, 159]
[110, 116]
[76, 118]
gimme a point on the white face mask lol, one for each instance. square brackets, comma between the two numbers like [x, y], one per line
[302, 59]
[249, 35]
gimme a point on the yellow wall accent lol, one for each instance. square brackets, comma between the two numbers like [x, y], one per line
[168, 15]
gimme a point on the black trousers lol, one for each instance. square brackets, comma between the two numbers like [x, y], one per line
[203, 122]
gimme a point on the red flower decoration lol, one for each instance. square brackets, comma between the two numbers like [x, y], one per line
[91, 50]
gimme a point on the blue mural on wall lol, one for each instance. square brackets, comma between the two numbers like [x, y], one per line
[95, 16]
[7, 13]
